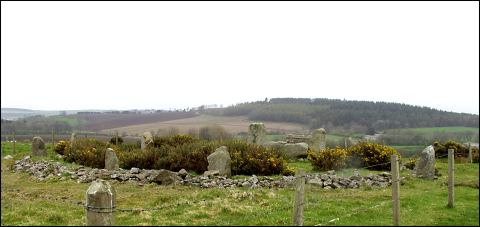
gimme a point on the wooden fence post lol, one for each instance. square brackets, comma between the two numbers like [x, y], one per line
[299, 198]
[100, 203]
[395, 190]
[116, 138]
[451, 186]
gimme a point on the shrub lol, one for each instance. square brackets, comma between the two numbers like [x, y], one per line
[410, 164]
[146, 159]
[87, 152]
[328, 159]
[214, 132]
[182, 151]
[335, 143]
[190, 156]
[475, 154]
[61, 146]
[441, 150]
[250, 159]
[173, 141]
[129, 146]
[114, 139]
[372, 155]
[289, 171]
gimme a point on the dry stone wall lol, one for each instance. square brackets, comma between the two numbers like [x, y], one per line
[48, 170]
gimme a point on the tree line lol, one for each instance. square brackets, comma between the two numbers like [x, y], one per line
[363, 116]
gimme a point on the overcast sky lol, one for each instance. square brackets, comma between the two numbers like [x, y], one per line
[160, 55]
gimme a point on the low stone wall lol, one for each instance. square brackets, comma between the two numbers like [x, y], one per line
[44, 170]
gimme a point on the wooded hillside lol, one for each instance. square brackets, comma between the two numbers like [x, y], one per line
[363, 116]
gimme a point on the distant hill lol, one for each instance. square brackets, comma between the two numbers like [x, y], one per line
[16, 110]
[88, 121]
[356, 116]
[17, 113]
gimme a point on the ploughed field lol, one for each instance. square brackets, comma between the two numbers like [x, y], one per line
[232, 125]
[26, 201]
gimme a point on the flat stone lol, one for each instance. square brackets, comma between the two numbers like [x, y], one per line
[211, 173]
[166, 177]
[8, 157]
[316, 182]
[134, 170]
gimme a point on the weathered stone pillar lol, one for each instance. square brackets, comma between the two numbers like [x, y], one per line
[220, 160]
[425, 165]
[257, 133]
[111, 160]
[100, 203]
[318, 139]
[146, 140]
[73, 137]
[38, 147]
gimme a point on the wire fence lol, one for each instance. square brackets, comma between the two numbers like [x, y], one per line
[205, 202]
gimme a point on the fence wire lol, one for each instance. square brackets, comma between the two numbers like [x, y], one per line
[357, 211]
[290, 203]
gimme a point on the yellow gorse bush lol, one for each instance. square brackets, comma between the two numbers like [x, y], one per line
[61, 146]
[328, 159]
[372, 154]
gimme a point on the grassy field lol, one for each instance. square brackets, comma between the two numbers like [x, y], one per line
[436, 129]
[231, 124]
[26, 201]
[409, 151]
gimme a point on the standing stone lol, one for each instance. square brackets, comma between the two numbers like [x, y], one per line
[349, 142]
[147, 139]
[100, 203]
[38, 147]
[73, 137]
[256, 133]
[111, 160]
[220, 160]
[425, 165]
[318, 140]
[295, 150]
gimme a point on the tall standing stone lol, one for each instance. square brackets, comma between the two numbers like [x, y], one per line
[220, 160]
[147, 139]
[318, 140]
[100, 203]
[73, 137]
[38, 147]
[425, 165]
[111, 160]
[257, 133]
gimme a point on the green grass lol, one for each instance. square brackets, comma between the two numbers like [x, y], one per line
[436, 129]
[275, 137]
[72, 121]
[25, 148]
[26, 201]
[409, 151]
[278, 137]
